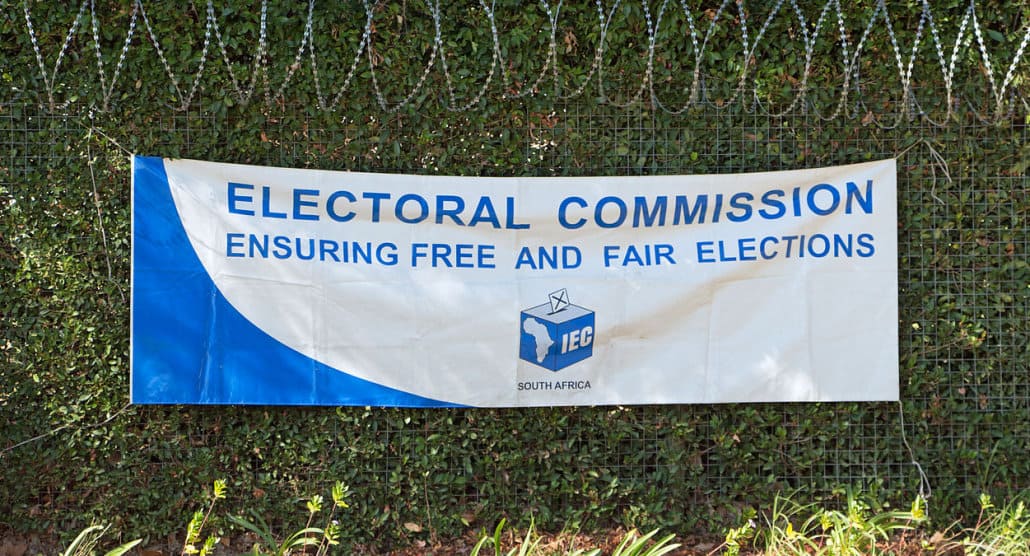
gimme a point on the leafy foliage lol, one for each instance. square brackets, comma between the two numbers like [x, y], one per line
[998, 530]
[85, 543]
[73, 450]
[857, 529]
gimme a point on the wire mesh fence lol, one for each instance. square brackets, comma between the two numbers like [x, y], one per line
[964, 281]
[964, 295]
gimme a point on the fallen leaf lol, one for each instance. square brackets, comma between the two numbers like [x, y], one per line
[13, 549]
[413, 527]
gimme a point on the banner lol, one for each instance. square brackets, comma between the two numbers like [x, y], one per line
[257, 285]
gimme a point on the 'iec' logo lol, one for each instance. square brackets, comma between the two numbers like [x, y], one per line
[556, 334]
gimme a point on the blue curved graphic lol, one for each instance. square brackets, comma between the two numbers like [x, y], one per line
[191, 346]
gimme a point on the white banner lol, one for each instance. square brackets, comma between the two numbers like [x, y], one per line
[284, 286]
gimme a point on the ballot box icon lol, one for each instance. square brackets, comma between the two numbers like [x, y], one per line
[556, 334]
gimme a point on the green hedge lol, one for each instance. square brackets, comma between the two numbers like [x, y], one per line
[65, 240]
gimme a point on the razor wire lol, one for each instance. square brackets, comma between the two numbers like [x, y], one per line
[275, 89]
[905, 52]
